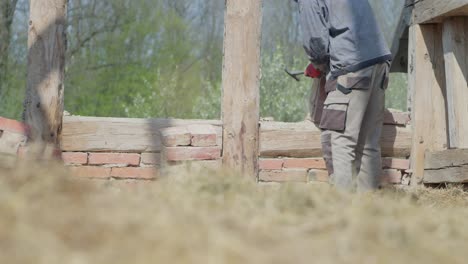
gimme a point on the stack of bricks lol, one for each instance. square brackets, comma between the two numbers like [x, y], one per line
[395, 171]
[192, 143]
[195, 143]
[13, 136]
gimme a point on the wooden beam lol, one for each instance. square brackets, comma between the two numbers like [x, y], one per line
[241, 85]
[103, 134]
[428, 11]
[427, 84]
[455, 42]
[449, 166]
[302, 140]
[45, 70]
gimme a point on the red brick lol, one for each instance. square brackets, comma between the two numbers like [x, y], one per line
[10, 142]
[318, 175]
[75, 158]
[391, 177]
[270, 164]
[296, 175]
[202, 135]
[13, 126]
[151, 158]
[175, 136]
[310, 163]
[135, 173]
[91, 171]
[131, 159]
[391, 163]
[192, 153]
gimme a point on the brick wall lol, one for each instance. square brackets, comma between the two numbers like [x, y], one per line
[190, 143]
[394, 171]
[142, 149]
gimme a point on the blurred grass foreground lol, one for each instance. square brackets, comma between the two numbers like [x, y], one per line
[48, 217]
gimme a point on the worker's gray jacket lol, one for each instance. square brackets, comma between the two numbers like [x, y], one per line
[342, 34]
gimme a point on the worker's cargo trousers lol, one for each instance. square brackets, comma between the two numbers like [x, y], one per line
[352, 121]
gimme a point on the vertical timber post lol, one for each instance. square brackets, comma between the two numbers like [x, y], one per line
[241, 86]
[455, 42]
[45, 71]
[426, 79]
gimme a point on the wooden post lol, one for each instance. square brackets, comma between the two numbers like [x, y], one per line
[241, 81]
[455, 42]
[427, 83]
[45, 71]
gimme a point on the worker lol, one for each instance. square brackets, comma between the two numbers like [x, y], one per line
[343, 41]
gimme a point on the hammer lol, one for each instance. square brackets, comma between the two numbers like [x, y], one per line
[295, 75]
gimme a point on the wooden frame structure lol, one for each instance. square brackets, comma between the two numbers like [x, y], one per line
[438, 75]
[437, 68]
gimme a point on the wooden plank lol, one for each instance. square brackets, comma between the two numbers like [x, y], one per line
[447, 175]
[427, 83]
[46, 65]
[426, 11]
[142, 135]
[303, 140]
[449, 166]
[396, 118]
[446, 158]
[120, 134]
[455, 44]
[241, 85]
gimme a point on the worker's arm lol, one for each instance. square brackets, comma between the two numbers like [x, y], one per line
[314, 17]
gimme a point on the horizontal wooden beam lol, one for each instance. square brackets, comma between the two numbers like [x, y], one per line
[430, 11]
[119, 134]
[448, 166]
[102, 134]
[303, 140]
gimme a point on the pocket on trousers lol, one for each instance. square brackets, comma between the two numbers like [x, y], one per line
[334, 114]
[360, 80]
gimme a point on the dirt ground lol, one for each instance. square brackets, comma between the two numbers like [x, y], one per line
[47, 217]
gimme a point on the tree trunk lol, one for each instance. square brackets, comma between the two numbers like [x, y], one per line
[45, 71]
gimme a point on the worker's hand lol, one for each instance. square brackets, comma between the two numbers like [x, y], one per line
[312, 72]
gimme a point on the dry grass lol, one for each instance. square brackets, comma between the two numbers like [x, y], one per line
[46, 217]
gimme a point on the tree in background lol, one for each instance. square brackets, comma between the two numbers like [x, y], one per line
[163, 58]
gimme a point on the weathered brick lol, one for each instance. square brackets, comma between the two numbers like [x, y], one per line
[270, 164]
[392, 163]
[286, 175]
[129, 159]
[75, 158]
[13, 126]
[151, 158]
[318, 175]
[202, 135]
[90, 171]
[175, 136]
[391, 177]
[192, 153]
[10, 142]
[135, 173]
[308, 163]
